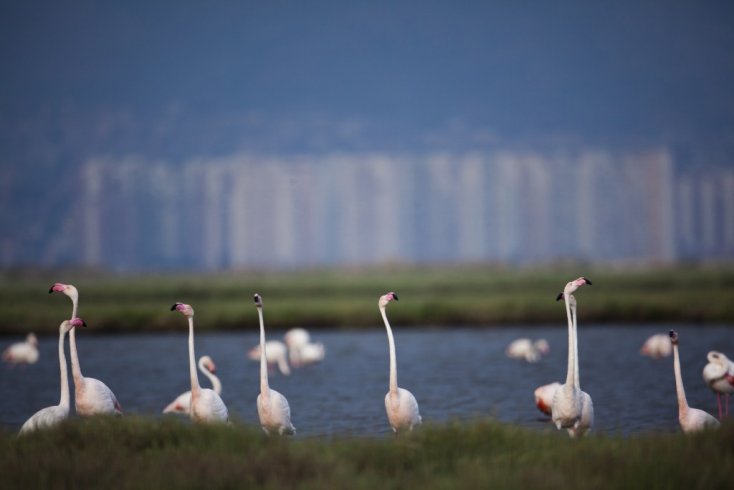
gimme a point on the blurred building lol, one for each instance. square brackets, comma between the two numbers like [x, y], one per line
[502, 206]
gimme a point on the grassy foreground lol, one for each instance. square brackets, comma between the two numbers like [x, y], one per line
[347, 298]
[145, 453]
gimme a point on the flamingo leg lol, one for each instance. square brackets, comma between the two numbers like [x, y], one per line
[718, 400]
[727, 404]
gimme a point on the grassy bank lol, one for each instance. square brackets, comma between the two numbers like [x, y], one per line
[347, 298]
[144, 453]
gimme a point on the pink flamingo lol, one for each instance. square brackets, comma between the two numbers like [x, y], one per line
[272, 407]
[719, 376]
[50, 416]
[91, 396]
[22, 352]
[691, 419]
[206, 404]
[572, 408]
[400, 404]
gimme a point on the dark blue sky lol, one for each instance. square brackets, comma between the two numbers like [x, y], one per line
[198, 77]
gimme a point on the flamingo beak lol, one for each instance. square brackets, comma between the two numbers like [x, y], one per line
[559, 297]
[173, 308]
[587, 281]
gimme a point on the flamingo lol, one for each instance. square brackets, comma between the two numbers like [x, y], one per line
[22, 352]
[657, 346]
[719, 375]
[691, 419]
[50, 416]
[400, 404]
[182, 403]
[91, 396]
[272, 407]
[206, 405]
[527, 350]
[300, 348]
[572, 408]
[544, 396]
[277, 354]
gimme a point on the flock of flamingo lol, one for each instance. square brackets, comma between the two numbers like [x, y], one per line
[569, 406]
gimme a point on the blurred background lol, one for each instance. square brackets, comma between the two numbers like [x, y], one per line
[172, 135]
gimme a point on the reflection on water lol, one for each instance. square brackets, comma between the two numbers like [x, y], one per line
[453, 372]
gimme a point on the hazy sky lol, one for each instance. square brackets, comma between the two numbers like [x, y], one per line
[213, 76]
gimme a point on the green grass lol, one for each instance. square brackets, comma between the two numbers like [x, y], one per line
[347, 298]
[137, 453]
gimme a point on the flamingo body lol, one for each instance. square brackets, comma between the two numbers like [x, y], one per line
[274, 413]
[93, 397]
[22, 352]
[45, 418]
[310, 353]
[586, 420]
[402, 410]
[207, 406]
[527, 350]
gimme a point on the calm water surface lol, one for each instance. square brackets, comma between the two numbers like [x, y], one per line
[455, 373]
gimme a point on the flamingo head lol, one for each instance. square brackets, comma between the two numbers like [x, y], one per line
[187, 310]
[258, 300]
[67, 325]
[575, 284]
[673, 337]
[67, 289]
[32, 339]
[208, 364]
[542, 346]
[386, 298]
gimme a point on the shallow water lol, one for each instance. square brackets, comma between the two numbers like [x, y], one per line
[454, 373]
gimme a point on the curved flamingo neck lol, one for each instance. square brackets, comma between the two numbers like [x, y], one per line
[680, 391]
[393, 361]
[192, 364]
[264, 387]
[571, 372]
[216, 384]
[76, 369]
[64, 402]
